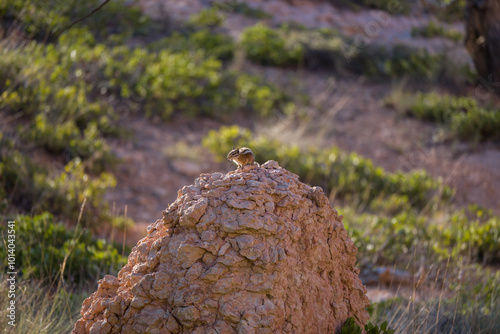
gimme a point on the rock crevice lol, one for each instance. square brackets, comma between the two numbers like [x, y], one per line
[251, 251]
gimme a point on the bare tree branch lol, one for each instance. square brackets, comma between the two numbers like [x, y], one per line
[81, 19]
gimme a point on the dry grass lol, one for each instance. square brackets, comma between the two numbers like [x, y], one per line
[40, 309]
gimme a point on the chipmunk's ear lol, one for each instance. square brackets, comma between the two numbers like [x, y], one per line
[233, 148]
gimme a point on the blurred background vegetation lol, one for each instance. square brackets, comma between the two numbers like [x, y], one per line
[67, 91]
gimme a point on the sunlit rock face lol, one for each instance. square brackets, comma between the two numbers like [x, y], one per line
[250, 251]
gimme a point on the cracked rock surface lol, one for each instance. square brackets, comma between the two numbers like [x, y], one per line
[250, 251]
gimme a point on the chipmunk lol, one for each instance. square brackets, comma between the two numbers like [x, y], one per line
[241, 157]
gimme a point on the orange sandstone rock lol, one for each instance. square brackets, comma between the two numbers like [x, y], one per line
[251, 251]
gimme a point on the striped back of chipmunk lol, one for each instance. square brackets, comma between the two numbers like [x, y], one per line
[245, 150]
[236, 152]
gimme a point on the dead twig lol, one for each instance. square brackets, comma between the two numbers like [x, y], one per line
[82, 18]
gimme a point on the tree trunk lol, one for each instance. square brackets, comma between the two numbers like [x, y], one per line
[482, 39]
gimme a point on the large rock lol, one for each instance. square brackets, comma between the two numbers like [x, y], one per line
[252, 251]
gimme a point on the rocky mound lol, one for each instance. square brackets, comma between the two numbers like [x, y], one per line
[252, 251]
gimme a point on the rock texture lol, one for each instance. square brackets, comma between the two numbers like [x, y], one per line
[251, 251]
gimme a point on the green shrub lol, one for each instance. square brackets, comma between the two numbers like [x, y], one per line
[199, 35]
[213, 44]
[207, 18]
[61, 116]
[218, 45]
[44, 20]
[17, 178]
[45, 249]
[432, 29]
[65, 193]
[324, 48]
[481, 285]
[391, 6]
[38, 19]
[477, 125]
[465, 118]
[239, 7]
[183, 77]
[448, 10]
[27, 186]
[327, 49]
[197, 85]
[415, 63]
[391, 205]
[346, 174]
[62, 88]
[117, 17]
[183, 81]
[440, 108]
[265, 99]
[473, 232]
[351, 327]
[267, 46]
[384, 238]
[400, 61]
